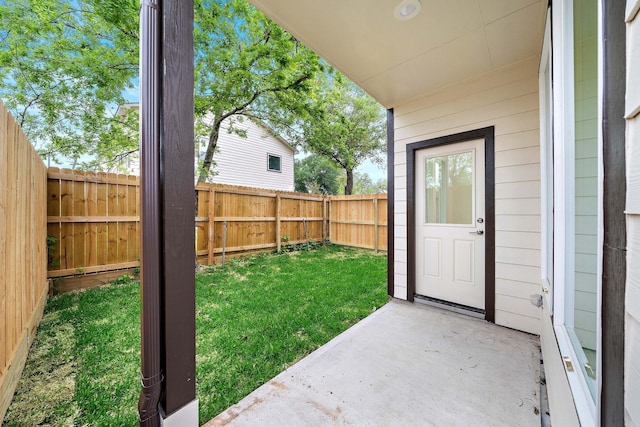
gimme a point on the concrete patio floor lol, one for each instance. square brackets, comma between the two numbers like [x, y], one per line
[405, 365]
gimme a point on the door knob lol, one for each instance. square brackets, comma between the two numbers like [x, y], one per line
[478, 232]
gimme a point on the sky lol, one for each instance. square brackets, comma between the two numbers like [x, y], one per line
[374, 171]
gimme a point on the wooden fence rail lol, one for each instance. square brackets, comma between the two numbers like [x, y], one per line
[94, 218]
[23, 251]
[359, 221]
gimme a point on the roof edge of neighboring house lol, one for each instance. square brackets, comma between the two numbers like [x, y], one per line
[272, 132]
[127, 106]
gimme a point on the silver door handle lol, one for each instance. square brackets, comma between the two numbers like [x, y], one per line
[478, 232]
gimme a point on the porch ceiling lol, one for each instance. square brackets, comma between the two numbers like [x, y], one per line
[396, 61]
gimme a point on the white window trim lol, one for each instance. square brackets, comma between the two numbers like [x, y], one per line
[564, 212]
[269, 155]
[600, 237]
[545, 179]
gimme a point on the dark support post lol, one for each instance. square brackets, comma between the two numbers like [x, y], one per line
[614, 262]
[177, 174]
[390, 202]
[168, 213]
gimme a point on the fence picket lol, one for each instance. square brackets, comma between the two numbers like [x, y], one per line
[23, 230]
[4, 207]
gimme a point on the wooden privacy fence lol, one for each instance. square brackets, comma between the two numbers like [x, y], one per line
[23, 251]
[234, 220]
[94, 218]
[359, 221]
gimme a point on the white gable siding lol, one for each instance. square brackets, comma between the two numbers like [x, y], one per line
[243, 161]
[632, 303]
[507, 99]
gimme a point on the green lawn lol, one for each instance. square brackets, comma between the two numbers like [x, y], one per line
[254, 317]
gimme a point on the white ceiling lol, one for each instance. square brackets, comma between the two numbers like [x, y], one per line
[396, 61]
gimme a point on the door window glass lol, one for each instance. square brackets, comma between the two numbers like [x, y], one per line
[449, 189]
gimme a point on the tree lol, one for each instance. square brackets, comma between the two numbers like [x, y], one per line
[346, 126]
[66, 63]
[363, 184]
[316, 175]
[246, 65]
[64, 66]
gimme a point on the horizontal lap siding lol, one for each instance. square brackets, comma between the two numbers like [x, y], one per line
[508, 100]
[243, 161]
[632, 303]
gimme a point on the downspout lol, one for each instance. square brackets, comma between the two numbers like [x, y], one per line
[150, 186]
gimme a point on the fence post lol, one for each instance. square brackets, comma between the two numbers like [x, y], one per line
[306, 233]
[329, 221]
[375, 224]
[324, 220]
[224, 240]
[278, 238]
[212, 225]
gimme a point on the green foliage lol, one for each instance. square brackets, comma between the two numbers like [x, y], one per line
[363, 184]
[63, 67]
[347, 126]
[316, 175]
[122, 280]
[305, 246]
[51, 247]
[84, 366]
[66, 63]
[246, 67]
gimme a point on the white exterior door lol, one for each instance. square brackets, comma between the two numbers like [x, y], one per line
[449, 200]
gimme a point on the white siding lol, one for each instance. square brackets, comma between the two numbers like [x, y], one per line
[632, 303]
[508, 100]
[243, 161]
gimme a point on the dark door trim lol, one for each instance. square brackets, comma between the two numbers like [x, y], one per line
[487, 134]
[614, 256]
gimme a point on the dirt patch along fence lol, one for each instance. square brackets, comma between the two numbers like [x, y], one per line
[23, 251]
[94, 218]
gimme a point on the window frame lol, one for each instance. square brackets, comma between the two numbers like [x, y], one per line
[269, 156]
[587, 407]
[545, 83]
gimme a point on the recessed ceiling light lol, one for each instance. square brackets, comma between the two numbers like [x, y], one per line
[407, 9]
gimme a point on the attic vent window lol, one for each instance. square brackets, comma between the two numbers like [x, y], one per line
[407, 9]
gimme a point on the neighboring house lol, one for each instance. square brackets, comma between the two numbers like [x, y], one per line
[507, 180]
[261, 159]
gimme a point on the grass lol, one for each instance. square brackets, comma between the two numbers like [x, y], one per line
[254, 318]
